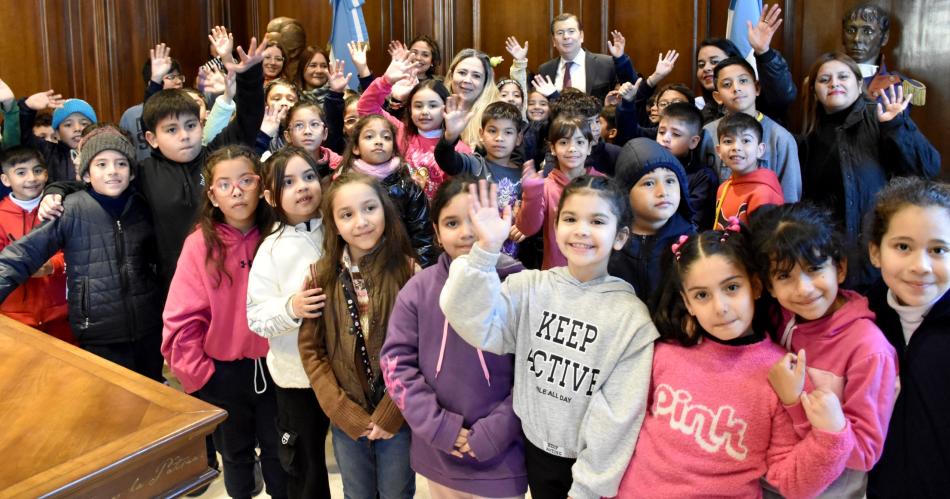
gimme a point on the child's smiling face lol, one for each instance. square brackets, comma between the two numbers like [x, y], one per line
[914, 254]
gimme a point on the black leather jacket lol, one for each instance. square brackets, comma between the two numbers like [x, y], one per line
[411, 202]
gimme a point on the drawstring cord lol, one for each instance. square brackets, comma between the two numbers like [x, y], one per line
[481, 356]
[787, 335]
[259, 368]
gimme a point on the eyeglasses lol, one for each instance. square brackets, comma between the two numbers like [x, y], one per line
[274, 58]
[300, 126]
[245, 183]
[173, 77]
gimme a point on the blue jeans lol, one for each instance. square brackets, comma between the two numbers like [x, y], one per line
[371, 466]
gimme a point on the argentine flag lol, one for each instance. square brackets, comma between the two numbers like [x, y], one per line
[737, 30]
[348, 26]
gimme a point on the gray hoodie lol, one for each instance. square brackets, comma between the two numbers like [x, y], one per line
[583, 357]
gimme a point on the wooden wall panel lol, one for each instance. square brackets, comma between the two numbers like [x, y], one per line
[527, 21]
[647, 29]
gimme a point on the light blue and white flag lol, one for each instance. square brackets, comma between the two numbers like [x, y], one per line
[348, 26]
[741, 11]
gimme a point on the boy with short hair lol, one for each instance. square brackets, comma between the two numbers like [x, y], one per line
[41, 302]
[608, 123]
[115, 307]
[70, 118]
[680, 131]
[131, 120]
[43, 127]
[736, 90]
[500, 134]
[656, 182]
[749, 185]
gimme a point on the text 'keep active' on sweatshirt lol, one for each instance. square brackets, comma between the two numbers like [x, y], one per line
[206, 320]
[583, 352]
[281, 266]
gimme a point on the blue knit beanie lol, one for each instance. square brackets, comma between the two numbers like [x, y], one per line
[73, 106]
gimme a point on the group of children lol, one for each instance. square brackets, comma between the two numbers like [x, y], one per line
[364, 279]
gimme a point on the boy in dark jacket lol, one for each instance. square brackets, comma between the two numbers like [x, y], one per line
[107, 238]
[170, 180]
[661, 213]
[69, 120]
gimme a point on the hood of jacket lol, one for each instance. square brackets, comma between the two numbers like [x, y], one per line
[854, 309]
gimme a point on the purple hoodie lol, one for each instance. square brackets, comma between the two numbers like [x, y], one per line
[441, 384]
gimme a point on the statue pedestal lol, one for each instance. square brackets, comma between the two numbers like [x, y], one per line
[75, 425]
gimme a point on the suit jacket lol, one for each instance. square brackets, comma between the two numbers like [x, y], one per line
[598, 69]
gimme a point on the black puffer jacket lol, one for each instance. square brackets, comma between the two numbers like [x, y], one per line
[412, 204]
[114, 294]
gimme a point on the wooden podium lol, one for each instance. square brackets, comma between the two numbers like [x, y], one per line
[75, 425]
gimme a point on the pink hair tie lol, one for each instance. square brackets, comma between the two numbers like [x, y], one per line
[732, 227]
[679, 244]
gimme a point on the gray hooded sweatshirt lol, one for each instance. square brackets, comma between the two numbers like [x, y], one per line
[583, 358]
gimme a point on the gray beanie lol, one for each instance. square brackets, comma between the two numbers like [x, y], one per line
[101, 139]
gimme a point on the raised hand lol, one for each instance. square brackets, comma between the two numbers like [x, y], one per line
[222, 42]
[249, 59]
[664, 66]
[403, 88]
[892, 105]
[211, 80]
[338, 81]
[629, 90]
[397, 49]
[454, 117]
[618, 44]
[44, 100]
[530, 175]
[399, 68]
[6, 95]
[491, 226]
[760, 35]
[308, 302]
[270, 125]
[515, 49]
[161, 62]
[544, 85]
[787, 377]
[612, 98]
[823, 410]
[358, 55]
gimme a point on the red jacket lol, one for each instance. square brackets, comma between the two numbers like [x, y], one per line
[40, 299]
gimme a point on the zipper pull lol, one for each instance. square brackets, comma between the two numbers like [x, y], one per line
[118, 223]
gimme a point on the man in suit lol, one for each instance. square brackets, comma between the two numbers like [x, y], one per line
[591, 73]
